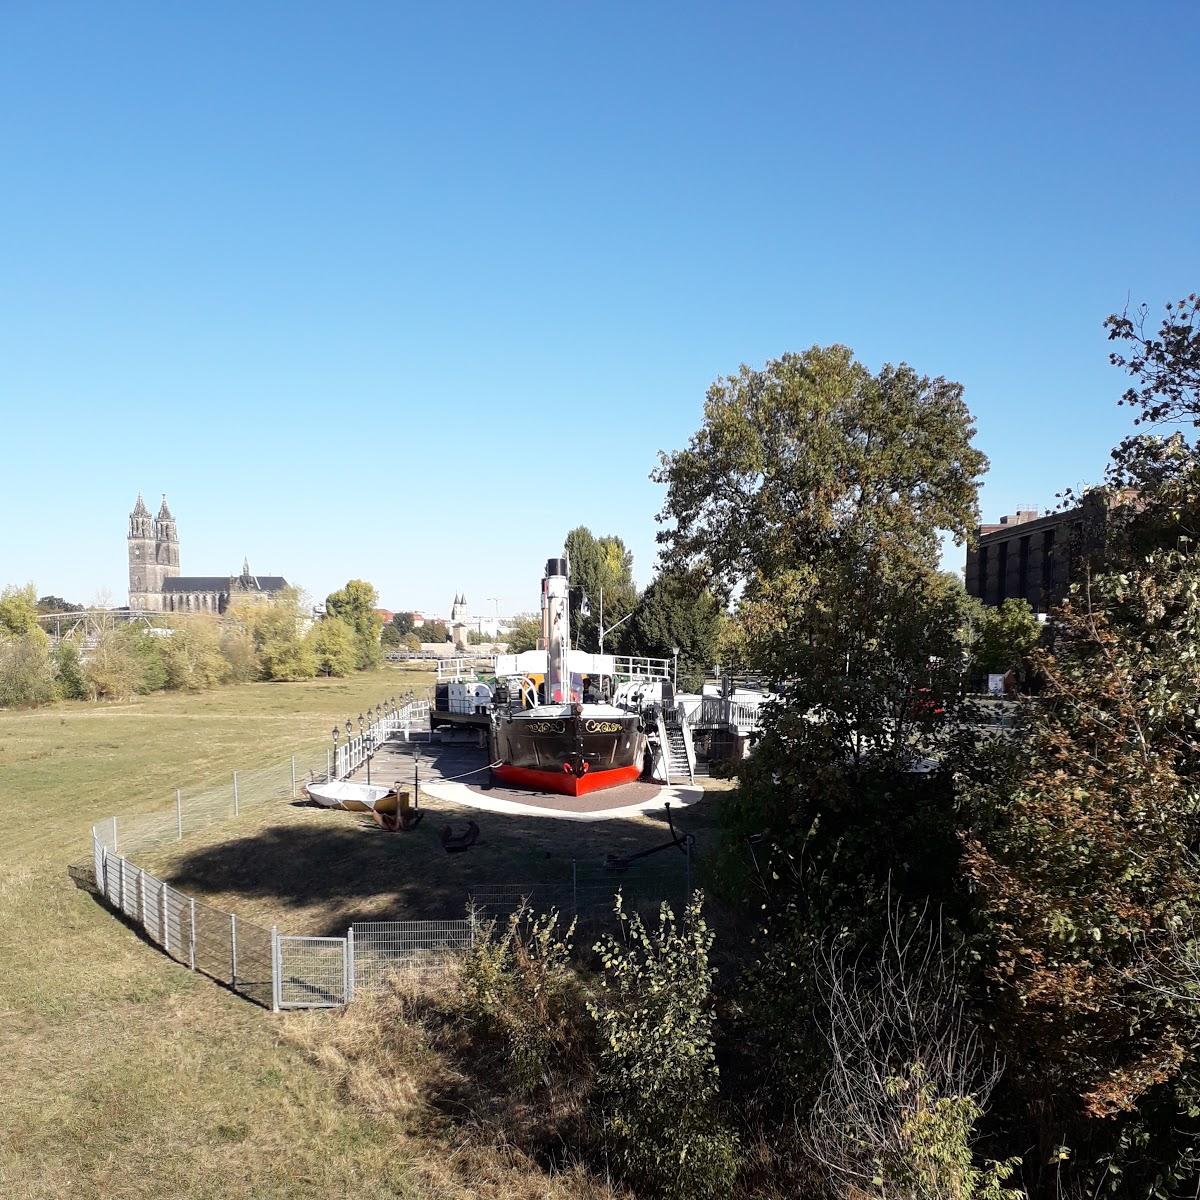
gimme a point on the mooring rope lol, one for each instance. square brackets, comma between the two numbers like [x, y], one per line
[452, 778]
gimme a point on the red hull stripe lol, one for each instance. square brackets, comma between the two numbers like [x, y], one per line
[560, 781]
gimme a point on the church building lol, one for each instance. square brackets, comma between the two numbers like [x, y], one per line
[155, 584]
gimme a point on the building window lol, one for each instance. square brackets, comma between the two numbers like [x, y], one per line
[1023, 568]
[982, 585]
[1001, 572]
[1048, 568]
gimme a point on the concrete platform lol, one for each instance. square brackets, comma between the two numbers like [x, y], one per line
[457, 770]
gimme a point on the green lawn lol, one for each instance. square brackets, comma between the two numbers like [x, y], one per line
[126, 1075]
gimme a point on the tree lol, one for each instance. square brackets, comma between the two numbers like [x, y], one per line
[356, 604]
[56, 604]
[284, 654]
[71, 681]
[1081, 849]
[678, 612]
[113, 669]
[192, 655]
[433, 631]
[818, 490]
[396, 629]
[523, 633]
[27, 676]
[598, 565]
[238, 650]
[815, 492]
[333, 643]
[18, 609]
[1005, 635]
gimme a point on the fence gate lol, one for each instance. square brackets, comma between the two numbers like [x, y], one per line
[310, 972]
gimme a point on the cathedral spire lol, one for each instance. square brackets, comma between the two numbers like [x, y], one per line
[164, 513]
[140, 509]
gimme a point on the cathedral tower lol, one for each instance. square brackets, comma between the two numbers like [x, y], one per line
[145, 588]
[166, 544]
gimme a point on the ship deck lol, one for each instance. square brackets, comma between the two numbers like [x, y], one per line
[457, 769]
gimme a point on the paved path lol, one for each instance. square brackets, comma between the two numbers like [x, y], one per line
[457, 770]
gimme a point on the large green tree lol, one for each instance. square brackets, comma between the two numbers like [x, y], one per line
[677, 612]
[815, 493]
[601, 573]
[357, 605]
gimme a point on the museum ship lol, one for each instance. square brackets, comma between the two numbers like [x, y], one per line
[568, 739]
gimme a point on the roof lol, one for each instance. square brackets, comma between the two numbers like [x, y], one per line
[164, 513]
[220, 583]
[140, 509]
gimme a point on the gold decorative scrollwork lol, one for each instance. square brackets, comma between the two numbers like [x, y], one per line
[546, 727]
[594, 726]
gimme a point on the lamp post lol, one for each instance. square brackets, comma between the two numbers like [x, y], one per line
[333, 771]
[675, 669]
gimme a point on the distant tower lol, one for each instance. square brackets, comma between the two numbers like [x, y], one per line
[458, 622]
[145, 584]
[166, 544]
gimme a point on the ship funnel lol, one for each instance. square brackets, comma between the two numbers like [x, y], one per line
[558, 632]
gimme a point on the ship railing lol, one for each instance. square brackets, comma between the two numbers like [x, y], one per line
[718, 712]
[463, 669]
[639, 667]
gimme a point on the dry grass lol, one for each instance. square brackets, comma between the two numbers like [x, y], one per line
[403, 1053]
[125, 1075]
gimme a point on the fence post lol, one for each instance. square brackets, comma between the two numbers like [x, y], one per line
[233, 951]
[166, 920]
[293, 777]
[121, 893]
[276, 988]
[235, 795]
[192, 934]
[142, 895]
[349, 964]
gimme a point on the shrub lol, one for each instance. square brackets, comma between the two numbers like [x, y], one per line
[657, 1063]
[521, 990]
[26, 669]
[192, 655]
[113, 671]
[68, 668]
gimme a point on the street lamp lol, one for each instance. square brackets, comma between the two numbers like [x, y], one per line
[675, 668]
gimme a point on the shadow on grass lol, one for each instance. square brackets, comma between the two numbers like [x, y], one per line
[320, 871]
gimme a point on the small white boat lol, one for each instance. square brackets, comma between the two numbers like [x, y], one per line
[357, 797]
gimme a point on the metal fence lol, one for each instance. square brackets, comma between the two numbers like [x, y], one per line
[589, 892]
[287, 971]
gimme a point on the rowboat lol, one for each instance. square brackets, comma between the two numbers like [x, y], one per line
[357, 797]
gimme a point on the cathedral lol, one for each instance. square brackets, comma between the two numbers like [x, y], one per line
[155, 584]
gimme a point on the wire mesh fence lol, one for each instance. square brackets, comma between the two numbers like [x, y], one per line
[379, 948]
[588, 893]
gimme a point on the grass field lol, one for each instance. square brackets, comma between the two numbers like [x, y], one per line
[127, 1075]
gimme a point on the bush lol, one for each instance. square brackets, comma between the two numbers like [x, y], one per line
[113, 670]
[26, 670]
[68, 668]
[521, 991]
[192, 655]
[238, 650]
[657, 1069]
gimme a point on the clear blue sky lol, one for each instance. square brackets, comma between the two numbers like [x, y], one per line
[406, 292]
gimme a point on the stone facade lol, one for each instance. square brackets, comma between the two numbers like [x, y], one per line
[155, 584]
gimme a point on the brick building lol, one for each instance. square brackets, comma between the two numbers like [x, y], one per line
[1032, 557]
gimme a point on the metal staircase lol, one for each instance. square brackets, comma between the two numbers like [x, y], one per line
[677, 744]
